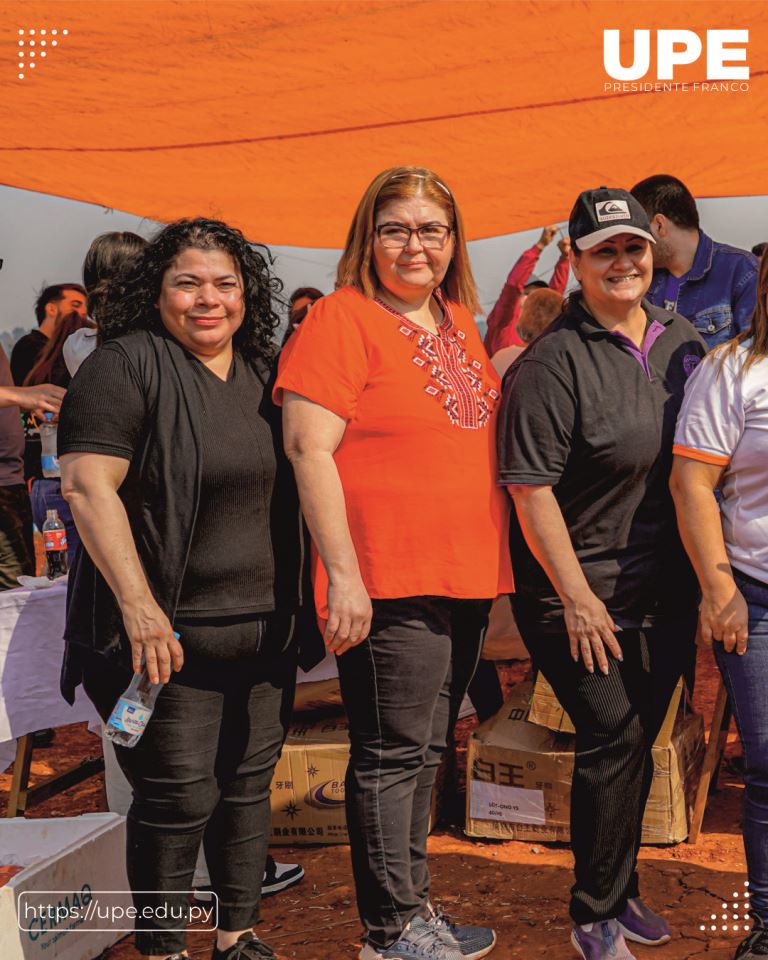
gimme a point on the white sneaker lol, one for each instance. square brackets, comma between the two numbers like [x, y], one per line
[277, 877]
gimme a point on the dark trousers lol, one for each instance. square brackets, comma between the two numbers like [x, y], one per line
[402, 688]
[17, 550]
[485, 691]
[202, 770]
[617, 717]
[744, 676]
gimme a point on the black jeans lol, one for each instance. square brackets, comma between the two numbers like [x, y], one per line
[17, 550]
[617, 717]
[402, 688]
[485, 691]
[203, 768]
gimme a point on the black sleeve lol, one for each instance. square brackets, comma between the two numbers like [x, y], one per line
[104, 409]
[23, 358]
[536, 424]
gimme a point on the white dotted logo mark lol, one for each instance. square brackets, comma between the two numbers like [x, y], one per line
[735, 906]
[34, 32]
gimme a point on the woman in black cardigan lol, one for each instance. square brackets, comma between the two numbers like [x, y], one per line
[171, 461]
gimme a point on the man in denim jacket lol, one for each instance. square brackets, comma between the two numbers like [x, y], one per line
[712, 284]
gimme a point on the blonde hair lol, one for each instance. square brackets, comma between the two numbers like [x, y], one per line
[356, 268]
[538, 311]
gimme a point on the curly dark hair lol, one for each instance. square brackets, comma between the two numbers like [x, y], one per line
[133, 307]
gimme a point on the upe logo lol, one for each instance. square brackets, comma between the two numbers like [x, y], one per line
[724, 48]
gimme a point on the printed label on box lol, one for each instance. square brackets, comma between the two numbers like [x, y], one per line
[489, 801]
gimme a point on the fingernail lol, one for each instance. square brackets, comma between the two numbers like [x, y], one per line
[605, 670]
[620, 658]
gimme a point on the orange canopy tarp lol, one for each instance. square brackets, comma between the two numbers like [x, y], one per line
[275, 116]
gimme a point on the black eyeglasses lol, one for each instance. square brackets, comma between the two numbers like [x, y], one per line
[395, 236]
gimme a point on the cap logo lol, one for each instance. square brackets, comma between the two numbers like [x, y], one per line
[612, 210]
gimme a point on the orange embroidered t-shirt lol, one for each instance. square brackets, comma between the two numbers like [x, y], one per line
[417, 461]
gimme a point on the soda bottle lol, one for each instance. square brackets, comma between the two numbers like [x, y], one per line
[131, 713]
[55, 542]
[50, 459]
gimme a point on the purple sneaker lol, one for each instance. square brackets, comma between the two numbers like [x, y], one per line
[604, 941]
[640, 924]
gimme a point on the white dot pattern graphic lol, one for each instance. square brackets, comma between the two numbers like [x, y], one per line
[737, 910]
[35, 32]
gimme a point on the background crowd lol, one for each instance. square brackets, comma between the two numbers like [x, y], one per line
[417, 468]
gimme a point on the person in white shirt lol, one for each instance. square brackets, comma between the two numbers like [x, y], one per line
[722, 441]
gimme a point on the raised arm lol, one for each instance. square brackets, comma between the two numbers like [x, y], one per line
[501, 319]
[559, 279]
[89, 483]
[312, 434]
[723, 610]
[589, 625]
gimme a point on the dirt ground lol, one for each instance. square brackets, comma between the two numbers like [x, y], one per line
[520, 889]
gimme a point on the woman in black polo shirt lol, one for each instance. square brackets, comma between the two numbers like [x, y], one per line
[606, 600]
[171, 455]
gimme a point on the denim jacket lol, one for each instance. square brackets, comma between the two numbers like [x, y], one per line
[718, 293]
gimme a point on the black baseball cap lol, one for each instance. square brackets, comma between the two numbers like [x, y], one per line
[603, 213]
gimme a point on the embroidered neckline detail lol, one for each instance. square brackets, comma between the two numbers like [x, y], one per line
[454, 378]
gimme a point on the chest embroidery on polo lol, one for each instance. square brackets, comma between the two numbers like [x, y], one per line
[454, 378]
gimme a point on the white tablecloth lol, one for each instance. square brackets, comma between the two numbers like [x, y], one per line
[31, 649]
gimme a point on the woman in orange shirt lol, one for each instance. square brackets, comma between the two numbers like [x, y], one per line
[389, 411]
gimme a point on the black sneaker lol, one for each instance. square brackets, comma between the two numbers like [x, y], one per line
[280, 876]
[277, 877]
[754, 945]
[248, 947]
[43, 738]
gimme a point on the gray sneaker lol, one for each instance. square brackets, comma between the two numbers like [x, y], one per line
[604, 941]
[419, 941]
[473, 942]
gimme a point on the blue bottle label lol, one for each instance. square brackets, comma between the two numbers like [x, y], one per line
[129, 716]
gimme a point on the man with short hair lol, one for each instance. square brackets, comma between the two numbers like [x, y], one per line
[713, 284]
[51, 305]
[17, 553]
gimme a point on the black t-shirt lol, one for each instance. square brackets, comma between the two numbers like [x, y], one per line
[580, 414]
[25, 354]
[230, 569]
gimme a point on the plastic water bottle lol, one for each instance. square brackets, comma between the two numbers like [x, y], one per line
[132, 712]
[55, 542]
[48, 438]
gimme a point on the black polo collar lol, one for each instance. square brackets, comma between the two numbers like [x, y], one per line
[589, 327]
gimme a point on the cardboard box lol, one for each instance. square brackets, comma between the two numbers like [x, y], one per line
[76, 856]
[547, 712]
[308, 784]
[519, 778]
